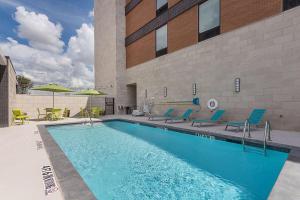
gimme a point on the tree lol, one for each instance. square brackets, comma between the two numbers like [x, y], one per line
[23, 84]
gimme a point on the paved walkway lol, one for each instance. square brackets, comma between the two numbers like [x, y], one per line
[22, 159]
[23, 156]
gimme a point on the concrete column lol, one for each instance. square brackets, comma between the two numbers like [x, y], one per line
[110, 55]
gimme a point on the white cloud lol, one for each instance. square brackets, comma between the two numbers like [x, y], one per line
[81, 46]
[73, 68]
[39, 31]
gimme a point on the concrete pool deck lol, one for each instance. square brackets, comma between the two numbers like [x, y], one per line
[23, 156]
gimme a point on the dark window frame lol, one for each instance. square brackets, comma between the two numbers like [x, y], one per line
[211, 32]
[163, 51]
[162, 9]
[286, 4]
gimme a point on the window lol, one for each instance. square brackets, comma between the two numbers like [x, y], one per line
[209, 19]
[161, 6]
[288, 4]
[161, 41]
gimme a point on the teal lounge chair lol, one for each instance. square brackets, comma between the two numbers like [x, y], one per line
[184, 117]
[216, 117]
[165, 116]
[253, 120]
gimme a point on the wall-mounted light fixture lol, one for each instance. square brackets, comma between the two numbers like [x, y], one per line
[165, 91]
[194, 88]
[146, 93]
[237, 85]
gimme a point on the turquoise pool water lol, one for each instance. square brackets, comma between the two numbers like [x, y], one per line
[120, 160]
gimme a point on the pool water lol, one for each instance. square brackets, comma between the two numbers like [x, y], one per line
[121, 160]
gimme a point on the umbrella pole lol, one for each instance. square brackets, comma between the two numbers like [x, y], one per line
[53, 100]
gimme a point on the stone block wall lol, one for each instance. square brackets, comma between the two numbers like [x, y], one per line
[264, 55]
[7, 90]
[30, 103]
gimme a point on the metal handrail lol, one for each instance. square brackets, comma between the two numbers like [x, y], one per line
[267, 134]
[246, 126]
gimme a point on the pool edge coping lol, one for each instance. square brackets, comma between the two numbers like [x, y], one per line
[71, 175]
[71, 183]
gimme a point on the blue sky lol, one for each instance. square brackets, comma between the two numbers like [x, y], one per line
[69, 13]
[56, 33]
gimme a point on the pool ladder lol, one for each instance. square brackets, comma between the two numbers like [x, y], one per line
[267, 134]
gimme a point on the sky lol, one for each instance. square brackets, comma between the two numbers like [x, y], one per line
[50, 41]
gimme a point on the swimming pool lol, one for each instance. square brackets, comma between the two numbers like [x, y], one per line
[121, 160]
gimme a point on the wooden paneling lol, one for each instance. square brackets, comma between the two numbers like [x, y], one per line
[141, 50]
[183, 30]
[237, 13]
[140, 15]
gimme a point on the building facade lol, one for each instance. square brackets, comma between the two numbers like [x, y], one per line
[8, 84]
[242, 53]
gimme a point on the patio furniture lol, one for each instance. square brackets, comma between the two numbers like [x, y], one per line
[165, 116]
[215, 118]
[254, 119]
[95, 112]
[41, 114]
[19, 115]
[66, 112]
[83, 113]
[184, 117]
[52, 88]
[54, 113]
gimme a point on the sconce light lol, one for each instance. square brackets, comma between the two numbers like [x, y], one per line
[165, 91]
[194, 88]
[237, 85]
[146, 93]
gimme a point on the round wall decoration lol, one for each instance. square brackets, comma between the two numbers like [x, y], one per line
[212, 104]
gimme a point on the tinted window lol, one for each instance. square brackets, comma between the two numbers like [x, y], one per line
[160, 3]
[288, 4]
[209, 15]
[161, 38]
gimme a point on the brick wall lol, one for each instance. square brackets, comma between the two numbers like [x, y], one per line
[183, 30]
[140, 15]
[141, 50]
[237, 13]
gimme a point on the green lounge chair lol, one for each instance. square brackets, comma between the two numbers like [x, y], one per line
[184, 117]
[165, 116]
[215, 118]
[19, 115]
[254, 119]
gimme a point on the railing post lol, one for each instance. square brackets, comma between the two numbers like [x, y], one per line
[244, 134]
[269, 131]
